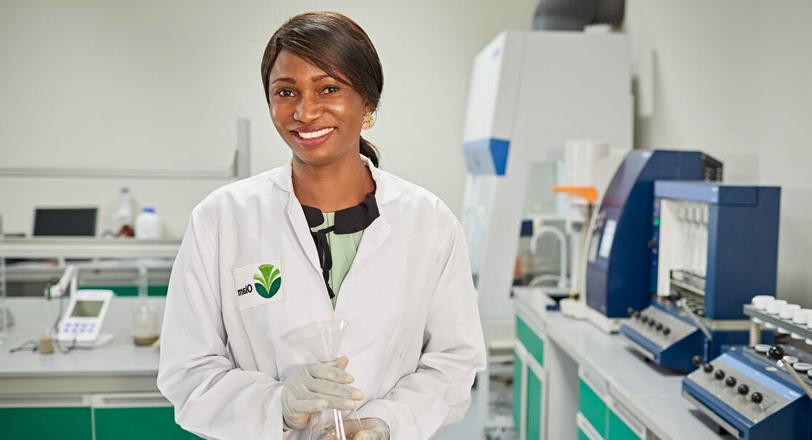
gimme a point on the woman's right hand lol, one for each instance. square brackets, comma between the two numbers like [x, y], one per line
[317, 387]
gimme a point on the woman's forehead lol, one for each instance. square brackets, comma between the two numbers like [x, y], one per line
[292, 66]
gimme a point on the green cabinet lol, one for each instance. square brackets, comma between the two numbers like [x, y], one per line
[534, 401]
[619, 430]
[592, 407]
[130, 289]
[38, 423]
[138, 423]
[530, 340]
[528, 383]
[518, 387]
[602, 419]
[136, 416]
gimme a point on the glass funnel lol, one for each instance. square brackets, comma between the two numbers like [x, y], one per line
[323, 339]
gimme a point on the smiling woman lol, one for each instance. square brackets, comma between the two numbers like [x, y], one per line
[327, 237]
[340, 70]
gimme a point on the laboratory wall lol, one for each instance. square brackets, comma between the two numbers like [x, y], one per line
[734, 78]
[159, 86]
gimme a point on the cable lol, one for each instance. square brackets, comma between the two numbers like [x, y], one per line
[29, 345]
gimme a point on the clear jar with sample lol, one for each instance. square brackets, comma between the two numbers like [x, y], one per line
[146, 327]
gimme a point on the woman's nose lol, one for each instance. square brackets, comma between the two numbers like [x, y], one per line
[308, 108]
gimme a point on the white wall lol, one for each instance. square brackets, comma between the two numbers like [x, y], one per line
[159, 85]
[734, 78]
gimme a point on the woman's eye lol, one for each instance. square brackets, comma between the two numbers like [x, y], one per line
[284, 93]
[330, 89]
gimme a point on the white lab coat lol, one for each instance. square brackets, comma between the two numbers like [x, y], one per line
[414, 339]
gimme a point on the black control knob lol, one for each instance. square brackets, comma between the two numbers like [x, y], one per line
[651, 323]
[730, 381]
[666, 331]
[743, 389]
[756, 397]
[645, 319]
[696, 360]
[659, 327]
[719, 374]
[708, 368]
[776, 352]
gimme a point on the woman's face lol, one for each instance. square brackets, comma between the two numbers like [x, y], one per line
[319, 117]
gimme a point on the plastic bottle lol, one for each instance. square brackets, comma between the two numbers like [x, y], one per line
[123, 218]
[148, 225]
[525, 261]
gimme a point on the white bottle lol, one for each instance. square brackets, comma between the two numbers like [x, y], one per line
[123, 217]
[148, 225]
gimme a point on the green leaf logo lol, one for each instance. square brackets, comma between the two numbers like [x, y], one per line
[270, 280]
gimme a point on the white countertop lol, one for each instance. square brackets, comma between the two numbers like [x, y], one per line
[650, 392]
[120, 357]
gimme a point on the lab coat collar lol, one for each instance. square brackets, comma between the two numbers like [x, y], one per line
[385, 191]
[374, 235]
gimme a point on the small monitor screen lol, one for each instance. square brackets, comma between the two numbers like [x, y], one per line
[87, 309]
[65, 222]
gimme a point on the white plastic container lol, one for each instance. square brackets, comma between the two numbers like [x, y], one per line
[148, 225]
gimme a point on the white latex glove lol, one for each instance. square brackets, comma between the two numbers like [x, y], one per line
[316, 387]
[371, 428]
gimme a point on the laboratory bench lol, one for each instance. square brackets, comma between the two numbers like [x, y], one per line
[572, 380]
[101, 393]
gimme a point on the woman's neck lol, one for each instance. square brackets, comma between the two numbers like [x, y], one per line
[334, 186]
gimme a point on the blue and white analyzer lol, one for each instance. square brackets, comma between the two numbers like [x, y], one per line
[618, 256]
[714, 246]
[761, 391]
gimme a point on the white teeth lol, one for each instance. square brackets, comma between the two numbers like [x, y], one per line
[315, 134]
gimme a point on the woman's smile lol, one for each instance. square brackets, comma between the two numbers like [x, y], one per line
[311, 136]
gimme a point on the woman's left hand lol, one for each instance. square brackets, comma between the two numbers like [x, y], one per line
[370, 429]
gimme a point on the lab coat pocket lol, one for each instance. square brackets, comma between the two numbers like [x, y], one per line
[259, 284]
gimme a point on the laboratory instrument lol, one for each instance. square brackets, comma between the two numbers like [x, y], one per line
[82, 322]
[618, 258]
[322, 339]
[713, 247]
[530, 93]
[67, 283]
[588, 166]
[760, 391]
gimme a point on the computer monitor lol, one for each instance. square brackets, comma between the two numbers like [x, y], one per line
[75, 222]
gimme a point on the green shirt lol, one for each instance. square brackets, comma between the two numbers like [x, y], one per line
[342, 248]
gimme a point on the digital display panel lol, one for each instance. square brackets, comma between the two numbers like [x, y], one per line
[87, 309]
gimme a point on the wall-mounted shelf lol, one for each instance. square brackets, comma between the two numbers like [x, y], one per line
[68, 247]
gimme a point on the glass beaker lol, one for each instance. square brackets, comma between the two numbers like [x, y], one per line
[323, 340]
[146, 327]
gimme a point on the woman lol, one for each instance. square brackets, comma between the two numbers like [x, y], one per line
[328, 236]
